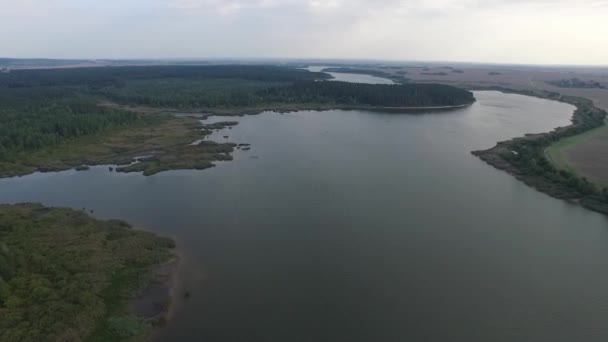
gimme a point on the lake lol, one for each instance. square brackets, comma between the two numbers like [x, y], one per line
[353, 78]
[360, 226]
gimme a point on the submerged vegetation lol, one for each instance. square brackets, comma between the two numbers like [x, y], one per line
[526, 159]
[65, 276]
[57, 119]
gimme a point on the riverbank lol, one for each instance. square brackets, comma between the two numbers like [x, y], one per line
[163, 142]
[279, 108]
[154, 304]
[73, 276]
[525, 158]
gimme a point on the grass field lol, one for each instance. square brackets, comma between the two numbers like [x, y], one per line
[584, 154]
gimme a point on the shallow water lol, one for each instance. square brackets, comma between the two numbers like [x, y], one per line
[359, 226]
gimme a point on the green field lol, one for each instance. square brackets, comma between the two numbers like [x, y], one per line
[560, 153]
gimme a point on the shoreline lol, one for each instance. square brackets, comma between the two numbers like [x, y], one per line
[138, 149]
[129, 162]
[526, 160]
[278, 108]
[155, 305]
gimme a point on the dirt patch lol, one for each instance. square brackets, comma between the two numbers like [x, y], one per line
[154, 303]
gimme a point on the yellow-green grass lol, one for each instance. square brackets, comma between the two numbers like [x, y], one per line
[585, 154]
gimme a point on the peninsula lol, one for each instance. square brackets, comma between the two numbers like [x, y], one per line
[58, 119]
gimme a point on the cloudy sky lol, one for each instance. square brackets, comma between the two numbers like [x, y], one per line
[501, 31]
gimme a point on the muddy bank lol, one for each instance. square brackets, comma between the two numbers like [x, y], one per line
[154, 304]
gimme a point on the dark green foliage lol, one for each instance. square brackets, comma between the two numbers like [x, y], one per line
[189, 93]
[36, 117]
[380, 95]
[126, 326]
[64, 273]
[41, 109]
[116, 76]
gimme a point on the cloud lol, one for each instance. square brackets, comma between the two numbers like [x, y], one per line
[535, 31]
[223, 6]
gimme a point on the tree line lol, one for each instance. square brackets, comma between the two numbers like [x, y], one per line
[381, 95]
[41, 108]
[108, 76]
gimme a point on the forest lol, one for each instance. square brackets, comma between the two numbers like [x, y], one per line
[374, 95]
[44, 108]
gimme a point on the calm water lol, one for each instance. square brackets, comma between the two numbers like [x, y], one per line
[356, 226]
[353, 78]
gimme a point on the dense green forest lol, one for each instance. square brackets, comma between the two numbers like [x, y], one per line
[65, 276]
[377, 95]
[117, 75]
[576, 83]
[33, 118]
[45, 108]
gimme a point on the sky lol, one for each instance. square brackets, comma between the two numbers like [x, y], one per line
[493, 31]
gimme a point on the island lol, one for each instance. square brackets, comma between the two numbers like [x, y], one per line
[65, 276]
[146, 118]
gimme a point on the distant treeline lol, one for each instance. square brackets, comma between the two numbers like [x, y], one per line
[380, 95]
[41, 108]
[116, 76]
[576, 83]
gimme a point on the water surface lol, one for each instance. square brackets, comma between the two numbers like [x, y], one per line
[358, 226]
[353, 78]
